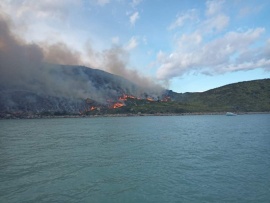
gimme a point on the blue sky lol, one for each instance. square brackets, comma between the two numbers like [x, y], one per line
[190, 45]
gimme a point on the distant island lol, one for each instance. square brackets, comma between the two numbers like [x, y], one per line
[76, 91]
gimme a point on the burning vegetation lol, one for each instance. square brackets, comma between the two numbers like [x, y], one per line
[117, 105]
[93, 108]
[130, 98]
[125, 104]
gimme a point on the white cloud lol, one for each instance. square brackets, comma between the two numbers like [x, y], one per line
[41, 20]
[136, 2]
[208, 48]
[181, 19]
[189, 41]
[214, 7]
[215, 24]
[218, 56]
[144, 39]
[134, 17]
[33, 9]
[214, 21]
[266, 50]
[103, 2]
[132, 44]
[161, 56]
[249, 65]
[248, 10]
[115, 40]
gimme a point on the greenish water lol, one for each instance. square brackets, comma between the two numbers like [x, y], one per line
[136, 159]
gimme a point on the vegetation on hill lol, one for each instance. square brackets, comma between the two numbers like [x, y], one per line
[250, 96]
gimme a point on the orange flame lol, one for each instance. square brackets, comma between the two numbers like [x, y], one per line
[118, 105]
[125, 97]
[166, 99]
[93, 108]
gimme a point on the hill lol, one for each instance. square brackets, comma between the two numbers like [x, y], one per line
[249, 96]
[76, 90]
[62, 89]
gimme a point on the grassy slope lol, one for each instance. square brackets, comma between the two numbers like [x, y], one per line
[242, 96]
[251, 96]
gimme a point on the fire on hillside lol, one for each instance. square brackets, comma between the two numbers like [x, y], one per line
[124, 100]
[121, 100]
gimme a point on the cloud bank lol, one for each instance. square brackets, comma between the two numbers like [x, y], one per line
[210, 49]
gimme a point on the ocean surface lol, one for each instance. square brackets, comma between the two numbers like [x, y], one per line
[206, 158]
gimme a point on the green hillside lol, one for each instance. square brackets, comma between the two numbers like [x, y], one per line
[250, 96]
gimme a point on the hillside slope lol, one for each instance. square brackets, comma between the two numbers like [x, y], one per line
[243, 96]
[250, 96]
[61, 88]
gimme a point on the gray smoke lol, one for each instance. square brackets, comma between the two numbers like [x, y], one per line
[60, 53]
[28, 66]
[115, 61]
[17, 59]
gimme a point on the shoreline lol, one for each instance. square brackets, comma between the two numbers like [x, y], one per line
[37, 116]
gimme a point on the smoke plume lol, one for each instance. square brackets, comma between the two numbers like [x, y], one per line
[29, 66]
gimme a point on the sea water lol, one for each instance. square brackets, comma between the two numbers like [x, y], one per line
[206, 158]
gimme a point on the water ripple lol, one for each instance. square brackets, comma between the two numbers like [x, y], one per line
[136, 159]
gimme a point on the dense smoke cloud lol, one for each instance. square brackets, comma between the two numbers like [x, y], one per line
[29, 66]
[60, 53]
[18, 59]
[22, 67]
[115, 61]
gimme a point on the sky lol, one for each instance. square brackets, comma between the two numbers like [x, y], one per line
[187, 45]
